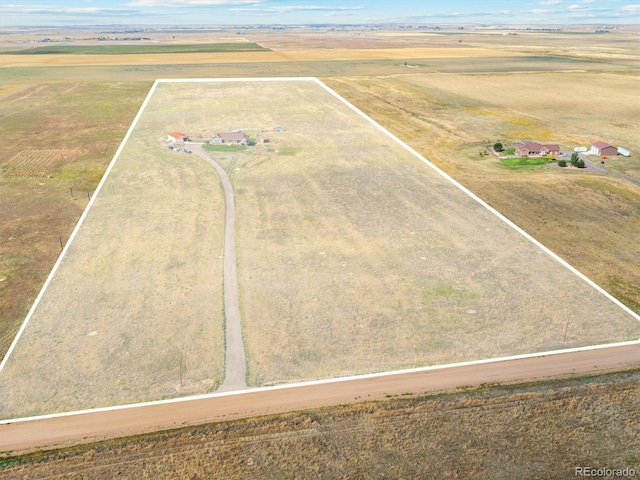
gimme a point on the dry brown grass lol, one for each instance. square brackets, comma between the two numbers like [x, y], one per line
[579, 109]
[135, 309]
[564, 210]
[590, 426]
[15, 61]
[36, 212]
[526, 432]
[353, 257]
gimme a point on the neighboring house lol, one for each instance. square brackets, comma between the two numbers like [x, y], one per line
[533, 149]
[230, 138]
[177, 137]
[603, 149]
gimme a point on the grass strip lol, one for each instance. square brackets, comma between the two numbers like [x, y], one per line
[140, 49]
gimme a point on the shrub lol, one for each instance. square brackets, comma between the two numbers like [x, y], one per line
[498, 147]
[562, 163]
[580, 163]
[574, 158]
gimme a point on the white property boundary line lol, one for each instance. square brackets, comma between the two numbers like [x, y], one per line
[77, 227]
[315, 382]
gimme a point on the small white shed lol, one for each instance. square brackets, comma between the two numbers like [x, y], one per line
[623, 151]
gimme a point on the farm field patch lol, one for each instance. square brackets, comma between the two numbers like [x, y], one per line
[16, 60]
[37, 163]
[139, 49]
[353, 257]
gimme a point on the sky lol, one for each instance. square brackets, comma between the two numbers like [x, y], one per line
[240, 12]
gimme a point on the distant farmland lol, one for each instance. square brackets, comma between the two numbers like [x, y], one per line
[139, 49]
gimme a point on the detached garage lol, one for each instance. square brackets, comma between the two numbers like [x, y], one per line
[177, 137]
[603, 149]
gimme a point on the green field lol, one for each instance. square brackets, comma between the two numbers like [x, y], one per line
[524, 161]
[225, 148]
[139, 49]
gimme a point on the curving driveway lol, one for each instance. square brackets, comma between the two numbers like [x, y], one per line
[235, 362]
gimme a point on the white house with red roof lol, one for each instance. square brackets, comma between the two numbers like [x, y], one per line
[177, 137]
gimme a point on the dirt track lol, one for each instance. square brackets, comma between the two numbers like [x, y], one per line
[75, 429]
[235, 364]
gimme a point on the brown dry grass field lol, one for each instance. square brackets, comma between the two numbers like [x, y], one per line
[135, 310]
[353, 257]
[538, 431]
[562, 209]
[587, 218]
[17, 61]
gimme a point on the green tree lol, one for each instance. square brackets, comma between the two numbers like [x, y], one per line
[580, 163]
[574, 158]
[498, 147]
[562, 163]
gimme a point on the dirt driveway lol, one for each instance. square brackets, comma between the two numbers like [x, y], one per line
[235, 364]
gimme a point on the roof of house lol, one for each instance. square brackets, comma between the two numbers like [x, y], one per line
[231, 136]
[537, 147]
[600, 144]
[177, 135]
[531, 146]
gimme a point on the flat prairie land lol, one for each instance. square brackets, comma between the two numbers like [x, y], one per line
[354, 257]
[112, 49]
[525, 431]
[589, 219]
[18, 60]
[134, 311]
[39, 212]
[581, 108]
[564, 209]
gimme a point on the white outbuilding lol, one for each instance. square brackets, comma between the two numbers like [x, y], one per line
[624, 152]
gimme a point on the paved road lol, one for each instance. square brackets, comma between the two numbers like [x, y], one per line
[75, 429]
[235, 362]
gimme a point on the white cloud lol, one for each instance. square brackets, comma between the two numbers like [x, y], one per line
[15, 9]
[192, 3]
[550, 2]
[299, 8]
[630, 8]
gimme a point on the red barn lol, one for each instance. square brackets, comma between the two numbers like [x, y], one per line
[603, 149]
